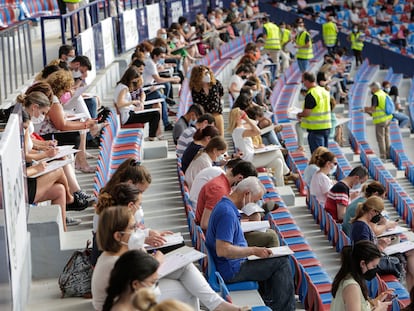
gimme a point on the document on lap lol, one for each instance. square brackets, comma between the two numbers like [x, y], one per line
[62, 152]
[279, 251]
[51, 166]
[248, 226]
[399, 248]
[171, 239]
[267, 149]
[178, 259]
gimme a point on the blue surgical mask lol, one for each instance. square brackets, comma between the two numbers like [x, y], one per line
[161, 61]
[356, 186]
[192, 122]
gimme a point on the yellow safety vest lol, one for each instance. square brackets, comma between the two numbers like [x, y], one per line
[320, 117]
[285, 36]
[329, 33]
[379, 115]
[272, 36]
[304, 53]
[356, 44]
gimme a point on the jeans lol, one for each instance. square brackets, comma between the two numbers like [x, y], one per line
[401, 118]
[317, 138]
[92, 105]
[276, 281]
[157, 94]
[275, 56]
[270, 138]
[303, 64]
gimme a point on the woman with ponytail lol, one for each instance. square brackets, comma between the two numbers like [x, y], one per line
[349, 289]
[321, 183]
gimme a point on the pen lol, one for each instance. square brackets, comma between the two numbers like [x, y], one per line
[53, 137]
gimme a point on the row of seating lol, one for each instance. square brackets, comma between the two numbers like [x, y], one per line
[396, 194]
[116, 146]
[13, 11]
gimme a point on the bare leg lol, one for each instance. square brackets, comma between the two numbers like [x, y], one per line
[218, 119]
[409, 278]
[71, 178]
[72, 7]
[80, 160]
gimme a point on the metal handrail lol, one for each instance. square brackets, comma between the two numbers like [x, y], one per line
[16, 58]
[63, 18]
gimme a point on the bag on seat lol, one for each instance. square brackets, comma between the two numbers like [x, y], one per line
[75, 280]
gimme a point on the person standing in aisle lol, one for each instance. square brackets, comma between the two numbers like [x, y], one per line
[356, 37]
[304, 44]
[330, 34]
[285, 38]
[272, 46]
[316, 114]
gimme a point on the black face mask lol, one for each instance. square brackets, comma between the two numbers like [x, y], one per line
[370, 274]
[376, 218]
[244, 77]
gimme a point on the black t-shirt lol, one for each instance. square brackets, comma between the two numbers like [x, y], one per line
[310, 101]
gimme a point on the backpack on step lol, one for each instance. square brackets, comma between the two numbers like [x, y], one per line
[75, 280]
[389, 105]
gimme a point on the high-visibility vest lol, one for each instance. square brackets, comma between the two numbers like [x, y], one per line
[320, 117]
[356, 44]
[379, 115]
[272, 36]
[285, 36]
[329, 33]
[304, 53]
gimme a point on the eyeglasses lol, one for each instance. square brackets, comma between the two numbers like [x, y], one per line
[134, 162]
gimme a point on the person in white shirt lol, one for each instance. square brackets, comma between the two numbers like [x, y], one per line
[215, 148]
[237, 80]
[321, 183]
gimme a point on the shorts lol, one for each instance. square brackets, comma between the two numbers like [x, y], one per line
[31, 189]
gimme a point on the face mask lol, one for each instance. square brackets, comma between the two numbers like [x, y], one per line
[243, 5]
[220, 158]
[186, 28]
[136, 240]
[192, 122]
[147, 54]
[355, 29]
[65, 97]
[157, 291]
[76, 74]
[30, 128]
[243, 77]
[333, 169]
[376, 219]
[224, 18]
[255, 93]
[370, 274]
[261, 48]
[139, 215]
[300, 29]
[175, 40]
[234, 10]
[206, 78]
[212, 19]
[164, 36]
[161, 61]
[70, 59]
[387, 89]
[37, 120]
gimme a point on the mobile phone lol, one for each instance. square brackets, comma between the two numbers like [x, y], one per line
[393, 297]
[397, 220]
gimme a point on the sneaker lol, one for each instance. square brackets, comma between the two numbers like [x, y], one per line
[79, 204]
[168, 127]
[70, 221]
[170, 102]
[84, 196]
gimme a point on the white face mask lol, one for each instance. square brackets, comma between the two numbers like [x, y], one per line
[206, 78]
[387, 89]
[37, 120]
[136, 240]
[139, 215]
[76, 74]
[157, 291]
[333, 169]
[164, 36]
[212, 19]
[300, 29]
[70, 59]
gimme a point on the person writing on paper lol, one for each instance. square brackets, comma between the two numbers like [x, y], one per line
[340, 194]
[228, 248]
[374, 188]
[37, 105]
[117, 233]
[132, 111]
[133, 285]
[367, 215]
[321, 183]
[243, 129]
[213, 152]
[218, 187]
[349, 288]
[312, 167]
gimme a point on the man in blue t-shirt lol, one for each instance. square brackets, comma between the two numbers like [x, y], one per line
[228, 247]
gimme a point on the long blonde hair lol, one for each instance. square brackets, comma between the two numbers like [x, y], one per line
[373, 202]
[234, 117]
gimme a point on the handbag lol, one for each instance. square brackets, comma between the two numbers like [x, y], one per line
[76, 277]
[390, 265]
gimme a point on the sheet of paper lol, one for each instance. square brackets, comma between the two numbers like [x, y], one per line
[146, 110]
[396, 230]
[267, 129]
[277, 252]
[178, 259]
[267, 149]
[292, 112]
[172, 239]
[153, 101]
[51, 166]
[399, 248]
[62, 152]
[248, 226]
[291, 48]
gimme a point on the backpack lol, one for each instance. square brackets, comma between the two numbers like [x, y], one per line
[75, 280]
[389, 105]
